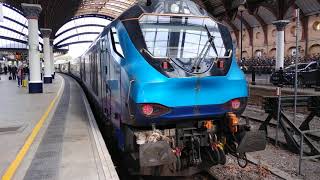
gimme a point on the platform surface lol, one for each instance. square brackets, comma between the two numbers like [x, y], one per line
[68, 145]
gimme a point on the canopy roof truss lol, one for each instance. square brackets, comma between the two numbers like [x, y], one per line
[258, 12]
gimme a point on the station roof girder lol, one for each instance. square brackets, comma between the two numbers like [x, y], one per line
[259, 12]
[55, 13]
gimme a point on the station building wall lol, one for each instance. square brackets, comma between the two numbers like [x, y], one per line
[265, 45]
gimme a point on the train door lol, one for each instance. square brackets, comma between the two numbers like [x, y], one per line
[98, 74]
[83, 61]
[115, 78]
[105, 76]
[95, 73]
[92, 64]
[102, 74]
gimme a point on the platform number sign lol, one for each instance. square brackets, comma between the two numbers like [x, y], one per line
[1, 12]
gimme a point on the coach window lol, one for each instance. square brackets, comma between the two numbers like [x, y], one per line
[115, 42]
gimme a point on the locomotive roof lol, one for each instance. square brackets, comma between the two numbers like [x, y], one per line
[187, 7]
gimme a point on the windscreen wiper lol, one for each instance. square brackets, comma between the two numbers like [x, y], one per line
[206, 48]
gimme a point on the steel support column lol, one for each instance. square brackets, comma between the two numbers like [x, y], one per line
[280, 25]
[32, 12]
[53, 73]
[47, 55]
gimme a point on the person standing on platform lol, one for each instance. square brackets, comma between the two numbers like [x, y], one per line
[5, 70]
[10, 70]
[20, 75]
[14, 72]
[27, 72]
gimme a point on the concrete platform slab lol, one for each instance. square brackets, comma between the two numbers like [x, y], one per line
[69, 144]
[19, 112]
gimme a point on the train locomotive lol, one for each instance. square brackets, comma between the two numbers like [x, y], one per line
[164, 74]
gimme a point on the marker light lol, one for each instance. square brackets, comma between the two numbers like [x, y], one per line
[220, 64]
[235, 104]
[147, 109]
[153, 110]
[165, 65]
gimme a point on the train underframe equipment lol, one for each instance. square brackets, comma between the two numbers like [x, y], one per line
[200, 144]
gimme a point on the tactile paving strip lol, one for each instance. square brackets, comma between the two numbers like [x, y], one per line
[45, 164]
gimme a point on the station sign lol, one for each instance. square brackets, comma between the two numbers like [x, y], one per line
[1, 12]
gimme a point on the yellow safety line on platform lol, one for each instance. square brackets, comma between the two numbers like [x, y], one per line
[23, 151]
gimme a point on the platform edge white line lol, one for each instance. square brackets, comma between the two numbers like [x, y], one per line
[108, 168]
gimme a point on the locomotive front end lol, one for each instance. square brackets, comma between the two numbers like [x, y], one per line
[183, 69]
[186, 91]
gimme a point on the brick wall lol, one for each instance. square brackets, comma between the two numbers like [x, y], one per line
[310, 44]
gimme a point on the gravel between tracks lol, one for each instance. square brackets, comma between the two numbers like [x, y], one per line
[284, 159]
[288, 162]
[232, 171]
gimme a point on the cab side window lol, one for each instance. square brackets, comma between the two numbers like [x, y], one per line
[115, 42]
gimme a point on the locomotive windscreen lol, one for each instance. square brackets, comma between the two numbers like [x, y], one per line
[179, 39]
[190, 41]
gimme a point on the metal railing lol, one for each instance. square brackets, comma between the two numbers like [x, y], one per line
[302, 157]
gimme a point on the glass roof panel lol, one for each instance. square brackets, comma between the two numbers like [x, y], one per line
[85, 37]
[11, 25]
[75, 30]
[12, 31]
[110, 8]
[7, 12]
[82, 21]
[4, 43]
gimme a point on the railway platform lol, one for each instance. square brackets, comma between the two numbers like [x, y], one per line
[52, 135]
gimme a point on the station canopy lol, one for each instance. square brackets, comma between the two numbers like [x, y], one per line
[88, 22]
[13, 29]
[77, 34]
[64, 16]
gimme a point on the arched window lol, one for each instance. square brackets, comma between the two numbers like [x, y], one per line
[293, 31]
[316, 26]
[314, 49]
[258, 53]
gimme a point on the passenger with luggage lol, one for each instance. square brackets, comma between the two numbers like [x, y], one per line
[20, 75]
[14, 70]
[5, 70]
[10, 72]
[27, 71]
